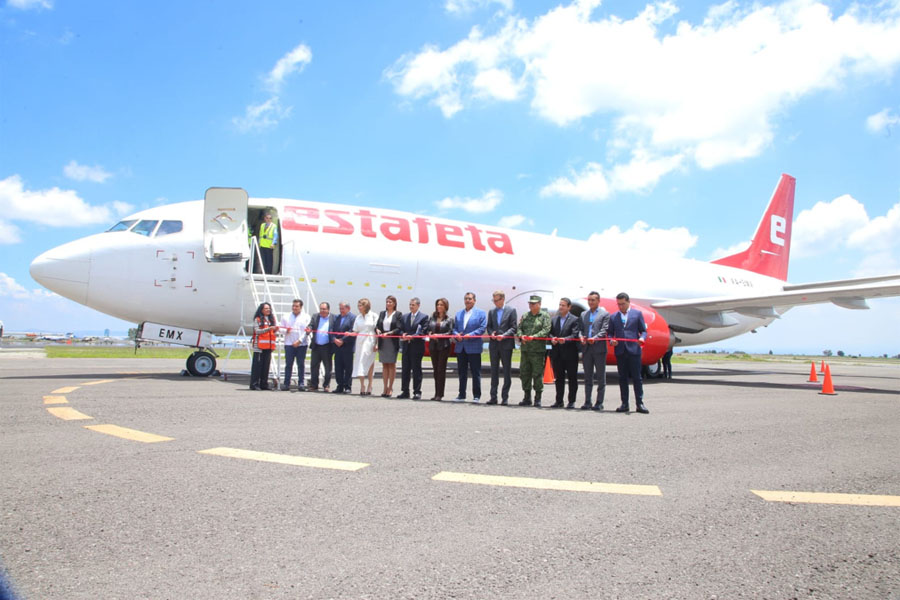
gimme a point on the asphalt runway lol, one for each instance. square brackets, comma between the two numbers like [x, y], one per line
[286, 495]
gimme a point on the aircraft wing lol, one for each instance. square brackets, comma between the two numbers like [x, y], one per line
[700, 313]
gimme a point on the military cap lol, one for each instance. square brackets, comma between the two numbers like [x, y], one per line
[534, 299]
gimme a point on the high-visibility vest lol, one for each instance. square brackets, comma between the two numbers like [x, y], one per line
[266, 235]
[265, 340]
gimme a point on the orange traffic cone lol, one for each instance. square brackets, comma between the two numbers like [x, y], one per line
[822, 368]
[812, 373]
[548, 372]
[827, 387]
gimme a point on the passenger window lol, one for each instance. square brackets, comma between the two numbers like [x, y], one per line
[145, 227]
[122, 225]
[167, 227]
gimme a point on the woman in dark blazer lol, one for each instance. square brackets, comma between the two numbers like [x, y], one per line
[440, 323]
[388, 347]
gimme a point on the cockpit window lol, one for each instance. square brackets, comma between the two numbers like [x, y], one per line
[145, 227]
[122, 225]
[168, 227]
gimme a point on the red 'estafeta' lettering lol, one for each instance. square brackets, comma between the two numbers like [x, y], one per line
[295, 215]
[476, 237]
[400, 229]
[422, 224]
[365, 223]
[443, 231]
[500, 242]
[344, 227]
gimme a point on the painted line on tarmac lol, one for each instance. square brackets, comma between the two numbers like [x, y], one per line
[286, 459]
[67, 413]
[65, 390]
[98, 382]
[827, 498]
[549, 484]
[55, 400]
[129, 434]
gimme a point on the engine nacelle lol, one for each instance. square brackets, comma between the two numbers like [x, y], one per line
[658, 341]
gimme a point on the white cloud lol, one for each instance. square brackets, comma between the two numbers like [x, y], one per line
[732, 249]
[589, 185]
[706, 93]
[267, 114]
[882, 121]
[644, 240]
[826, 226]
[29, 4]
[11, 288]
[292, 62]
[880, 234]
[262, 116]
[9, 233]
[513, 221]
[488, 202]
[468, 6]
[78, 172]
[53, 207]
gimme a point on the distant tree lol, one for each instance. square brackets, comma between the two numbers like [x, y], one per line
[826, 352]
[840, 353]
[132, 332]
[770, 352]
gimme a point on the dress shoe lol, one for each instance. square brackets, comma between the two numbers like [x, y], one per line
[438, 398]
[417, 396]
[537, 404]
[623, 408]
[459, 399]
[642, 409]
[504, 403]
[312, 388]
[338, 391]
[525, 402]
[285, 388]
[557, 405]
[301, 388]
[255, 388]
[403, 396]
[586, 406]
[570, 406]
[476, 400]
[597, 408]
[491, 401]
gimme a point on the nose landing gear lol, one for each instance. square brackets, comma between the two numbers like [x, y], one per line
[202, 364]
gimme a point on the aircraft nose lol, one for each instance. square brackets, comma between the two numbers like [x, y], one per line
[65, 270]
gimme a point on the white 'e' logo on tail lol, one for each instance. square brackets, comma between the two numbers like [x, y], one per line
[778, 226]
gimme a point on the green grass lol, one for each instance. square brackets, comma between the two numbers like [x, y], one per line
[115, 352]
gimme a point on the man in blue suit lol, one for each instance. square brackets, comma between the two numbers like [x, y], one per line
[628, 323]
[468, 328]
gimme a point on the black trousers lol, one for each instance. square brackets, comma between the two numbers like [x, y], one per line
[565, 371]
[411, 364]
[465, 362]
[319, 355]
[439, 368]
[500, 357]
[268, 258]
[629, 367]
[259, 369]
[343, 366]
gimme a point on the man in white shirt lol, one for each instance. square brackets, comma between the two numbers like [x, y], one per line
[296, 342]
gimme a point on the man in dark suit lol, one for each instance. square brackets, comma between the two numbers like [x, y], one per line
[413, 348]
[594, 327]
[565, 332]
[628, 323]
[321, 346]
[501, 326]
[343, 349]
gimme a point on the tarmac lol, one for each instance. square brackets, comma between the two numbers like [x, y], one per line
[122, 479]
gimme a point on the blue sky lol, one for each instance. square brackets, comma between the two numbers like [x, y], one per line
[663, 126]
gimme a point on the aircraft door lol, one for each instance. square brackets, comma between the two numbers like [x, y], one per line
[225, 225]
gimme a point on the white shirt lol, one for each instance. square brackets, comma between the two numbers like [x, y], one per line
[298, 325]
[466, 319]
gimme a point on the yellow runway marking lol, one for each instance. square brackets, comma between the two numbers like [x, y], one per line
[65, 390]
[98, 382]
[824, 498]
[55, 400]
[67, 413]
[129, 434]
[549, 484]
[285, 459]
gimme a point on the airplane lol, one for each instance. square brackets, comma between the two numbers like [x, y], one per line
[185, 271]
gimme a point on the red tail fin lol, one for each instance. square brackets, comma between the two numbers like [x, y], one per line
[770, 249]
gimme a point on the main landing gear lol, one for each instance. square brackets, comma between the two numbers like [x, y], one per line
[202, 364]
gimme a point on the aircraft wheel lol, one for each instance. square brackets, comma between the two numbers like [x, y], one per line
[201, 364]
[653, 371]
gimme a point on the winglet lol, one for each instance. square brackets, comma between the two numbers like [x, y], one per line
[770, 249]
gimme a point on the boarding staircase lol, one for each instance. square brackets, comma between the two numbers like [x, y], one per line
[279, 291]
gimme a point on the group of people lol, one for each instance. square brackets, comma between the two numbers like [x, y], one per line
[345, 345]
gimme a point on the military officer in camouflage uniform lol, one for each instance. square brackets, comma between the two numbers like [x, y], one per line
[534, 324]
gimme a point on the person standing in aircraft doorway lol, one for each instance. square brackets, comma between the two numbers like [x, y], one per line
[264, 333]
[268, 237]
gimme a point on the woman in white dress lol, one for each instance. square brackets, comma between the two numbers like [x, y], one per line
[364, 359]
